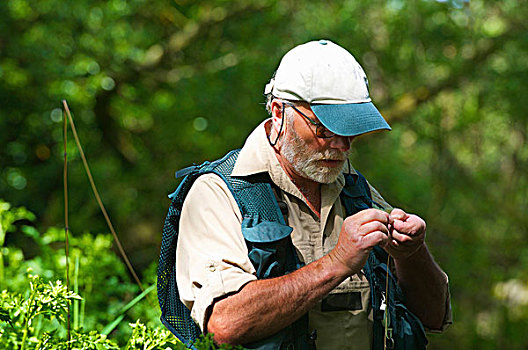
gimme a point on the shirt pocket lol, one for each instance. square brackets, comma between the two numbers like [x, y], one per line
[351, 295]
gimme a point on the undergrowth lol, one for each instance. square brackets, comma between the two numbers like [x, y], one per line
[107, 310]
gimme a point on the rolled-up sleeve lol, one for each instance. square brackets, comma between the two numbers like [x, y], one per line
[211, 256]
[448, 315]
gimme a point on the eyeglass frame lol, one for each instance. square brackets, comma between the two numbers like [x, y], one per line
[318, 126]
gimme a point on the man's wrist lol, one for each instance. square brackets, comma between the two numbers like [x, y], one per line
[416, 255]
[338, 266]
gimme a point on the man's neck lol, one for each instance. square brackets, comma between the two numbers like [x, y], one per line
[310, 189]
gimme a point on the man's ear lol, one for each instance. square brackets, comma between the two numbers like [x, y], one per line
[276, 116]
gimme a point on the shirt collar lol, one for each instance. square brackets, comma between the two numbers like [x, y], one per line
[254, 157]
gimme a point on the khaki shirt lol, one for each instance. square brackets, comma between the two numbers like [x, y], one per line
[212, 256]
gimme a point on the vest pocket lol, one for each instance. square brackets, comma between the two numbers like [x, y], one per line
[269, 248]
[264, 231]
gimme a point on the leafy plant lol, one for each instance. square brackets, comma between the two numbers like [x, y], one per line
[8, 216]
[37, 320]
[149, 339]
[25, 314]
[79, 341]
[95, 271]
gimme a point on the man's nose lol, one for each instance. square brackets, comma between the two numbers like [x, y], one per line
[341, 143]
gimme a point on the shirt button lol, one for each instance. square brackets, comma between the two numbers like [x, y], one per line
[212, 268]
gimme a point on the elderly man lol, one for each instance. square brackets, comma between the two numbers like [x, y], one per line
[306, 277]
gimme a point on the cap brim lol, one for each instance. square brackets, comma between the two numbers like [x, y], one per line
[350, 119]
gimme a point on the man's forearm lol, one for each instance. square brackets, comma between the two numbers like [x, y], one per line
[425, 287]
[263, 307]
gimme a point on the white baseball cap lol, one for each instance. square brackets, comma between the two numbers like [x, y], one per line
[330, 79]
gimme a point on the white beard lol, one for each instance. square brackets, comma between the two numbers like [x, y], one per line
[305, 161]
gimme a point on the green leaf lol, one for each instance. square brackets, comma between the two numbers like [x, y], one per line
[127, 307]
[4, 315]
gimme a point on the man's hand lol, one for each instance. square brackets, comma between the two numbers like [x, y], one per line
[407, 234]
[420, 278]
[360, 233]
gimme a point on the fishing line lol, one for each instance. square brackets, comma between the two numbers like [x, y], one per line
[386, 315]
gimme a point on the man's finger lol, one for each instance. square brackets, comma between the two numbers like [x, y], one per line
[398, 214]
[376, 238]
[407, 227]
[374, 214]
[373, 226]
[400, 237]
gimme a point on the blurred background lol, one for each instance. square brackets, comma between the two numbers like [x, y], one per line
[155, 86]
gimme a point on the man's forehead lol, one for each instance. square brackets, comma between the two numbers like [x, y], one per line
[306, 109]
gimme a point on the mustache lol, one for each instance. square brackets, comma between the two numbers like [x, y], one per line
[331, 154]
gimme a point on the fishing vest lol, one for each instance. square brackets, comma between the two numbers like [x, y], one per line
[271, 251]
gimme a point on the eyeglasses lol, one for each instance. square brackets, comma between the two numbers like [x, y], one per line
[320, 130]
